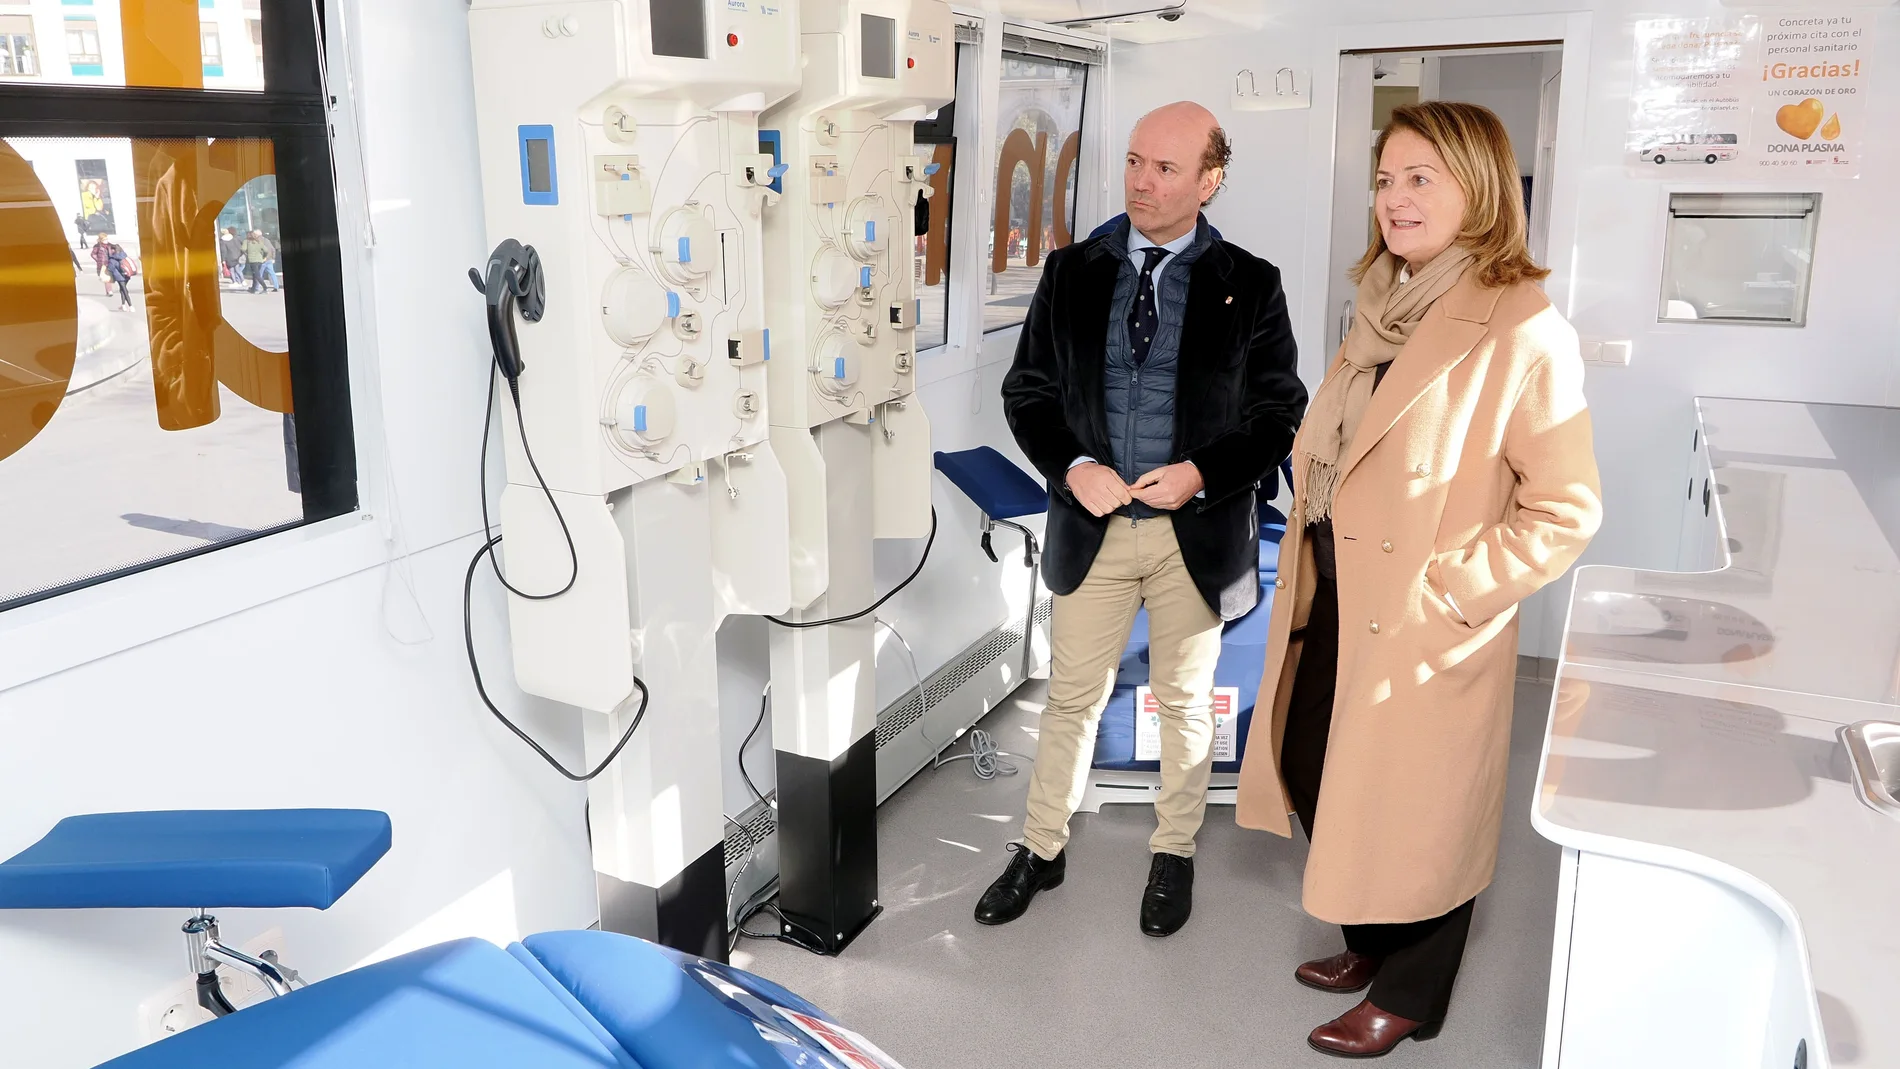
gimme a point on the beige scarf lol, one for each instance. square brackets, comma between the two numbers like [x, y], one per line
[1386, 312]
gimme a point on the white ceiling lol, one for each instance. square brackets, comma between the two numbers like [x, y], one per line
[1200, 18]
[1213, 18]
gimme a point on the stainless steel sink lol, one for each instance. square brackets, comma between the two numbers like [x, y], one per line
[1873, 751]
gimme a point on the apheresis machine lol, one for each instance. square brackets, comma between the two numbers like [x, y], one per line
[703, 310]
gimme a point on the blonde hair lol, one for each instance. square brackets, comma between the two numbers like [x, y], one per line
[1475, 146]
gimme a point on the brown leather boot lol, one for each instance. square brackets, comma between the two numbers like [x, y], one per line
[1344, 972]
[1366, 1031]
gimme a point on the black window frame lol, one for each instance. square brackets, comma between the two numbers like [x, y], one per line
[292, 112]
[942, 130]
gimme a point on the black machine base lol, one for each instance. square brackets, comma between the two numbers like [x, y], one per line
[688, 913]
[827, 846]
[803, 933]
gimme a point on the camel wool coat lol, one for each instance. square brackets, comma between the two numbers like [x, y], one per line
[1473, 475]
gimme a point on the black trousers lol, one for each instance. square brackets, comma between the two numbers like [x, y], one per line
[1422, 957]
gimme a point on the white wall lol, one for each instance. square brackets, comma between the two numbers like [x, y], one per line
[1607, 284]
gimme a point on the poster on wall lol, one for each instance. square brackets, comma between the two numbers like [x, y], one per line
[95, 197]
[1748, 95]
[1811, 114]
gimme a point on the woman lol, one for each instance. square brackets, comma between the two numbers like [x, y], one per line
[120, 270]
[1444, 473]
[100, 252]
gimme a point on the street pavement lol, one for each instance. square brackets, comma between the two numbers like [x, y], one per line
[103, 487]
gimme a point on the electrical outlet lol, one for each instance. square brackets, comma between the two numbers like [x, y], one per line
[171, 1011]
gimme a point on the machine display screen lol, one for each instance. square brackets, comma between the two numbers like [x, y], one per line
[880, 46]
[679, 28]
[540, 174]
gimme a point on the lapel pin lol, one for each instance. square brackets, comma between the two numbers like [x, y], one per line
[1230, 300]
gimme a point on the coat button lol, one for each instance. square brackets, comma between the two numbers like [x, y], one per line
[1422, 470]
[1375, 627]
[1387, 546]
[1279, 583]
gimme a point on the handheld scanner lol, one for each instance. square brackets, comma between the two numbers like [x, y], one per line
[513, 281]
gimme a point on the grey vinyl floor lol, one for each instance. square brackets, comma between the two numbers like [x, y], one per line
[1075, 985]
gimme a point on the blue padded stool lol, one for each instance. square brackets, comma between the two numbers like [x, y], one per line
[197, 859]
[1002, 491]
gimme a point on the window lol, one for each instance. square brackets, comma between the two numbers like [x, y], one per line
[184, 387]
[257, 41]
[936, 142]
[19, 55]
[1739, 258]
[1039, 141]
[82, 47]
[211, 50]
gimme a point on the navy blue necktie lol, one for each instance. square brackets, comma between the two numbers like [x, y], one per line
[1146, 316]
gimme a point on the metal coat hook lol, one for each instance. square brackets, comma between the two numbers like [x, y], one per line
[1291, 90]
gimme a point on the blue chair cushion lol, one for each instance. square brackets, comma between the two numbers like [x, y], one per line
[460, 1005]
[675, 1011]
[1001, 489]
[1243, 651]
[190, 859]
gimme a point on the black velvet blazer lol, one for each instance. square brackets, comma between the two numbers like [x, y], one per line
[1238, 401]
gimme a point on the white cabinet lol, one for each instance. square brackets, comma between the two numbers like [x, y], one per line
[1700, 545]
[1657, 966]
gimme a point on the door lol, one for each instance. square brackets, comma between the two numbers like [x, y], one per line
[1353, 168]
[1545, 166]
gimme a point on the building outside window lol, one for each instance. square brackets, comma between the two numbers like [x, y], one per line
[19, 53]
[82, 47]
[211, 50]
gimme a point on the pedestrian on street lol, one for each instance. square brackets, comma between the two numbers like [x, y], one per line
[258, 253]
[231, 254]
[100, 252]
[122, 267]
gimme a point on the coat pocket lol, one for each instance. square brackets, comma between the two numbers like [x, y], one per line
[1439, 602]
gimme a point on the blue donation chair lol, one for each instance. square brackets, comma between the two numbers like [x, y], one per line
[1119, 772]
[561, 1000]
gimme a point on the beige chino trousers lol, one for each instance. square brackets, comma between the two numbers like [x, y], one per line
[1139, 565]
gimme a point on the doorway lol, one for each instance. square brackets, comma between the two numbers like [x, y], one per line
[1383, 65]
[1520, 82]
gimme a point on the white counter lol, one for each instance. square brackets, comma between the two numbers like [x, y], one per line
[1726, 895]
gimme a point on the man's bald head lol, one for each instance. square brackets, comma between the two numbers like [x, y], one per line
[1177, 159]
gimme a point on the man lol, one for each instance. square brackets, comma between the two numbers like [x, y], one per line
[1154, 386]
[259, 254]
[231, 253]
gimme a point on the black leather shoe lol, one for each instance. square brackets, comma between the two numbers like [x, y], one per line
[1008, 898]
[1170, 896]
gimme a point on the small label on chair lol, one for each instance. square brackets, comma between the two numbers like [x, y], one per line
[1226, 724]
[844, 1044]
